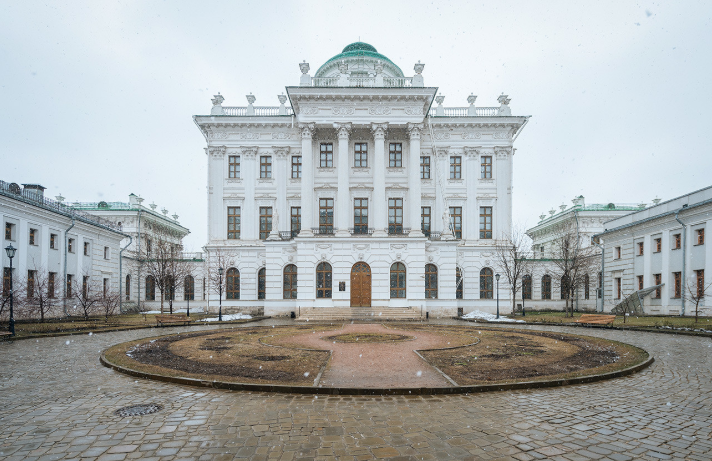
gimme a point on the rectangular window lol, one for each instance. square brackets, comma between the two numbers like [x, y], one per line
[296, 166]
[700, 283]
[658, 281]
[485, 222]
[456, 221]
[640, 282]
[52, 276]
[33, 236]
[486, 167]
[700, 236]
[326, 215]
[640, 248]
[395, 155]
[85, 286]
[677, 241]
[148, 247]
[86, 248]
[53, 241]
[265, 222]
[105, 288]
[8, 231]
[658, 245]
[106, 253]
[360, 155]
[234, 166]
[455, 167]
[233, 222]
[425, 220]
[296, 220]
[265, 166]
[677, 280]
[31, 283]
[6, 277]
[395, 215]
[618, 253]
[618, 288]
[70, 245]
[70, 279]
[424, 167]
[326, 155]
[361, 216]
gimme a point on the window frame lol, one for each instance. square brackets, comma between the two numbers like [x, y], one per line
[324, 280]
[398, 280]
[485, 233]
[295, 220]
[455, 167]
[189, 288]
[546, 287]
[459, 283]
[360, 155]
[426, 227]
[326, 215]
[86, 249]
[262, 283]
[296, 166]
[31, 278]
[658, 281]
[395, 215]
[53, 241]
[233, 167]
[641, 282]
[700, 236]
[677, 284]
[265, 222]
[658, 245]
[395, 155]
[431, 281]
[677, 238]
[51, 280]
[326, 155]
[150, 288]
[526, 286]
[486, 167]
[424, 167]
[360, 215]
[234, 222]
[486, 283]
[700, 278]
[289, 281]
[617, 254]
[265, 167]
[232, 283]
[9, 231]
[641, 248]
[33, 237]
[456, 220]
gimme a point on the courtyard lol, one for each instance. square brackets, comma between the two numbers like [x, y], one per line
[58, 402]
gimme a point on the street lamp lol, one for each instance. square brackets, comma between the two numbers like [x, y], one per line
[11, 254]
[496, 276]
[190, 292]
[220, 272]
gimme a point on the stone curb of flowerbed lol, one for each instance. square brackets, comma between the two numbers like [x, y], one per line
[142, 327]
[283, 389]
[668, 331]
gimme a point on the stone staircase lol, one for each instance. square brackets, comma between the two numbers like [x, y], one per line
[369, 314]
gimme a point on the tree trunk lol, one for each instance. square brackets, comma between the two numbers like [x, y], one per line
[161, 300]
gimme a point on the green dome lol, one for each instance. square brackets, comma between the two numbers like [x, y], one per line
[356, 50]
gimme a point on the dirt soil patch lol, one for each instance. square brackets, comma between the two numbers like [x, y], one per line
[367, 338]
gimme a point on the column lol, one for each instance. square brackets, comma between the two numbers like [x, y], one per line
[379, 179]
[216, 181]
[307, 202]
[280, 216]
[472, 212]
[441, 216]
[414, 193]
[503, 212]
[249, 216]
[343, 210]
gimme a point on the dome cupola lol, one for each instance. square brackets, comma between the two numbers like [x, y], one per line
[361, 60]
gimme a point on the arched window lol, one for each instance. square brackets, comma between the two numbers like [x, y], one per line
[585, 286]
[398, 280]
[170, 292]
[232, 284]
[527, 287]
[459, 282]
[431, 281]
[150, 288]
[128, 287]
[564, 287]
[486, 286]
[189, 288]
[261, 283]
[323, 280]
[289, 285]
[546, 287]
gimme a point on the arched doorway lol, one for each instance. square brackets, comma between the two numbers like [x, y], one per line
[361, 285]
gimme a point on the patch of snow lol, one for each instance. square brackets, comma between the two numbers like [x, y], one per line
[479, 315]
[228, 317]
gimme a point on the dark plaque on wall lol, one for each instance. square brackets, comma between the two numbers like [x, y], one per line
[342, 286]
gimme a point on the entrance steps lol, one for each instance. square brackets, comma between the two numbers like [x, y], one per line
[372, 314]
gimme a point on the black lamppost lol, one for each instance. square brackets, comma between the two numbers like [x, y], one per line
[220, 272]
[496, 276]
[11, 254]
[190, 293]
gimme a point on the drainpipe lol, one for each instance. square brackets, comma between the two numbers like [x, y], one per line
[66, 238]
[138, 277]
[684, 258]
[603, 273]
[121, 281]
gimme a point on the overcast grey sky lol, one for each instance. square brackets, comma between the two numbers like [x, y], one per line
[97, 96]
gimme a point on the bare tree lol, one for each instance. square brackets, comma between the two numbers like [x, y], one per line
[87, 292]
[572, 260]
[109, 303]
[514, 259]
[695, 294]
[39, 292]
[163, 260]
[216, 259]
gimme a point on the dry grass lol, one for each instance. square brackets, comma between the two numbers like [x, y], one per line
[673, 321]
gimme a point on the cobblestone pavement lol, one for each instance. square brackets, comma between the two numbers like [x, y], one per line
[58, 402]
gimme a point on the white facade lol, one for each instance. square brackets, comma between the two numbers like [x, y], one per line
[358, 138]
[588, 220]
[56, 241]
[660, 245]
[139, 224]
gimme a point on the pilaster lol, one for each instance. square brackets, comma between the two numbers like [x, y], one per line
[379, 178]
[249, 225]
[414, 187]
[342, 165]
[307, 202]
[471, 217]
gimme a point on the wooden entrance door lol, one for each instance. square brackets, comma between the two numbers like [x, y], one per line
[361, 285]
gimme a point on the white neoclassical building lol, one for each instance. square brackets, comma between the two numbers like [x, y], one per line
[358, 191]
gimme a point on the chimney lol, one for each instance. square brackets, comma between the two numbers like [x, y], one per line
[34, 190]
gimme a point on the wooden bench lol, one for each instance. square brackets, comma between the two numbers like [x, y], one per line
[596, 319]
[163, 319]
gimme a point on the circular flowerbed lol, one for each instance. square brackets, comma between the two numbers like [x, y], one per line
[346, 358]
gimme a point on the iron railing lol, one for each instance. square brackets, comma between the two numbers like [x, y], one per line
[366, 82]
[361, 230]
[464, 112]
[260, 111]
[324, 230]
